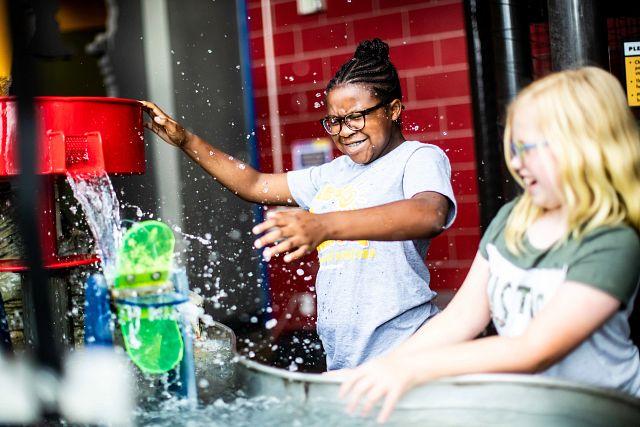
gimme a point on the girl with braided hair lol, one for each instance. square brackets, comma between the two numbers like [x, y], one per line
[370, 213]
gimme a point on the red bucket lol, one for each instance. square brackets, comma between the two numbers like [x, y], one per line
[65, 126]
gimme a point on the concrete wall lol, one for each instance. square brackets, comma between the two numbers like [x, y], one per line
[208, 100]
[205, 94]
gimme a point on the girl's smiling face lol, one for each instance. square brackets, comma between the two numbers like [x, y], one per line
[374, 140]
[533, 160]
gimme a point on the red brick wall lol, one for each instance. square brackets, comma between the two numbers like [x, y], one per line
[427, 42]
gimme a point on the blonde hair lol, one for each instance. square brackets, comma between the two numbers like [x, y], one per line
[594, 137]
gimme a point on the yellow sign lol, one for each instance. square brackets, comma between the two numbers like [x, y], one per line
[632, 68]
[5, 49]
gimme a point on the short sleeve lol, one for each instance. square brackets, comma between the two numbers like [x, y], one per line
[608, 259]
[496, 225]
[305, 183]
[302, 187]
[428, 169]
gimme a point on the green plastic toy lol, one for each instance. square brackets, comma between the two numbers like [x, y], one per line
[145, 298]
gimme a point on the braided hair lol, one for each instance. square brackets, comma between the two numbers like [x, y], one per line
[370, 66]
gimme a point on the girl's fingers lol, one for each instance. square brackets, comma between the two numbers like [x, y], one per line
[147, 104]
[271, 214]
[284, 246]
[158, 130]
[161, 120]
[263, 226]
[372, 398]
[298, 253]
[281, 213]
[267, 239]
[152, 108]
[158, 116]
[347, 384]
[355, 375]
[389, 404]
[361, 388]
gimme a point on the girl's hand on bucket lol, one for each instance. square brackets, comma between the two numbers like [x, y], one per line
[383, 378]
[294, 232]
[164, 126]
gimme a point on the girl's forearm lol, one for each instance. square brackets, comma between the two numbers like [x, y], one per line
[486, 355]
[457, 323]
[237, 176]
[416, 218]
[443, 330]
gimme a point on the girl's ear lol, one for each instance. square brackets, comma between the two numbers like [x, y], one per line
[396, 108]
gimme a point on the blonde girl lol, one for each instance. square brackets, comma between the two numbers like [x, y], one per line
[557, 270]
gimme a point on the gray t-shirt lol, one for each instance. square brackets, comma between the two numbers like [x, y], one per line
[520, 286]
[372, 295]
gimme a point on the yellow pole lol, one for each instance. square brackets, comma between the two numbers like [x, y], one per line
[5, 49]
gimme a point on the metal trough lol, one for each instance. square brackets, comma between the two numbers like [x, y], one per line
[496, 399]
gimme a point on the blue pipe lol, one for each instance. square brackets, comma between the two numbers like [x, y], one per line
[186, 387]
[250, 123]
[98, 326]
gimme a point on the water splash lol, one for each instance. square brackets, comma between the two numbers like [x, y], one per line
[102, 211]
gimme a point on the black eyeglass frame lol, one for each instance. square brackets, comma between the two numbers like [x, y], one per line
[343, 120]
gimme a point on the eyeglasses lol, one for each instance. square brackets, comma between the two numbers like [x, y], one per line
[519, 148]
[354, 121]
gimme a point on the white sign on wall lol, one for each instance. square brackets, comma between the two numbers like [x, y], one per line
[311, 152]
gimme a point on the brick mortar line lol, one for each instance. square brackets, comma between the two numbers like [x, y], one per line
[418, 72]
[462, 166]
[436, 69]
[454, 100]
[438, 136]
[323, 53]
[450, 263]
[456, 166]
[462, 232]
[406, 24]
[306, 117]
[411, 91]
[468, 198]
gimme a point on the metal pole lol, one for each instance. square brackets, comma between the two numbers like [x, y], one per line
[577, 32]
[487, 141]
[513, 68]
[500, 65]
[512, 51]
[47, 351]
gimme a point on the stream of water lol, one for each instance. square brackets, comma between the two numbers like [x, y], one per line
[102, 212]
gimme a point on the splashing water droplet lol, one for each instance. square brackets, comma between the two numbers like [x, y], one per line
[270, 324]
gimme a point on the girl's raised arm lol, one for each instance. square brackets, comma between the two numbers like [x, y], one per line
[246, 182]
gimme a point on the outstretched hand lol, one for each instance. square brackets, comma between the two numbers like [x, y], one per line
[296, 232]
[164, 126]
[385, 378]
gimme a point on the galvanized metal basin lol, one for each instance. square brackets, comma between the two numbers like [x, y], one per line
[496, 399]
